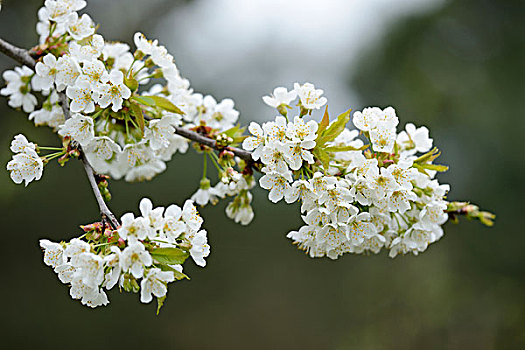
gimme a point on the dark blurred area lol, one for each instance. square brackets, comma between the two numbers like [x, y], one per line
[459, 69]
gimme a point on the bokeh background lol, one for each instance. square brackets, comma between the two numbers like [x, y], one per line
[456, 66]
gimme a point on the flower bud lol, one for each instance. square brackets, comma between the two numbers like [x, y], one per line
[149, 63]
[138, 55]
[205, 184]
[282, 109]
[185, 245]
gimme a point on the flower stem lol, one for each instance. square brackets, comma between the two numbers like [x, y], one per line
[53, 155]
[103, 244]
[205, 166]
[219, 168]
[51, 148]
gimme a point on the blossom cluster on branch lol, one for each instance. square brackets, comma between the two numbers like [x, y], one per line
[124, 113]
[124, 131]
[355, 198]
[150, 248]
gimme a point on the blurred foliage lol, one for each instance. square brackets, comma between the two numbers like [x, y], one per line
[459, 71]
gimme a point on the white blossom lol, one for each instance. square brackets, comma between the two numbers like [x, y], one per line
[134, 258]
[277, 184]
[199, 248]
[134, 229]
[18, 89]
[53, 253]
[20, 144]
[89, 52]
[256, 142]
[114, 93]
[68, 71]
[46, 72]
[280, 96]
[80, 28]
[27, 166]
[191, 216]
[81, 97]
[311, 98]
[160, 132]
[79, 128]
[414, 139]
[154, 283]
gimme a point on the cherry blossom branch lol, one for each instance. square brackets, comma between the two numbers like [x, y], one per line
[23, 56]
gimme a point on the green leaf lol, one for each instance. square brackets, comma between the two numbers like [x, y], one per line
[160, 303]
[138, 115]
[345, 148]
[165, 104]
[169, 256]
[145, 100]
[334, 129]
[324, 123]
[429, 156]
[236, 133]
[178, 275]
[436, 167]
[323, 157]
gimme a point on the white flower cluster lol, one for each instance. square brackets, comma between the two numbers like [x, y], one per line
[26, 164]
[352, 201]
[124, 133]
[150, 248]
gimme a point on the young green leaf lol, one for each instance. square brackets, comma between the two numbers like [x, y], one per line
[138, 115]
[165, 104]
[323, 157]
[345, 148]
[324, 123]
[436, 167]
[429, 156]
[169, 256]
[145, 100]
[334, 129]
[160, 302]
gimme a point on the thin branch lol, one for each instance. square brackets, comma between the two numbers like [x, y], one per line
[22, 56]
[104, 210]
[206, 141]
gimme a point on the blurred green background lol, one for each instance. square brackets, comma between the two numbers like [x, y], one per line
[457, 67]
